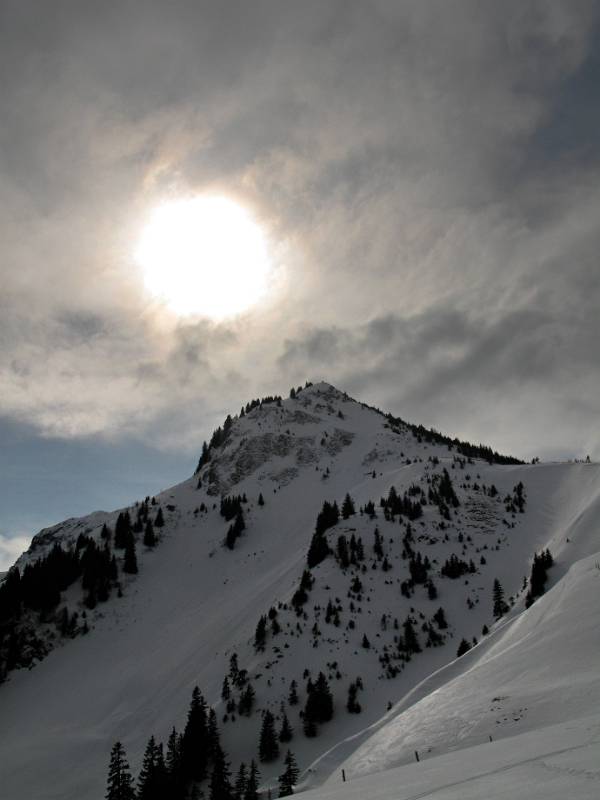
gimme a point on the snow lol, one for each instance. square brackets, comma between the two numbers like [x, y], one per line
[194, 603]
[553, 763]
[542, 666]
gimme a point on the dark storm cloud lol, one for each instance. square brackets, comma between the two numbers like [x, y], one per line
[427, 171]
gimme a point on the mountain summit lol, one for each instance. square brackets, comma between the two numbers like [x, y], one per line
[324, 571]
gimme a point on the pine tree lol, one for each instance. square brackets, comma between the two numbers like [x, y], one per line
[241, 781]
[161, 776]
[122, 528]
[319, 704]
[500, 607]
[160, 520]
[411, 641]
[225, 689]
[246, 702]
[213, 736]
[288, 778]
[463, 648]
[348, 507]
[251, 792]
[146, 777]
[352, 705]
[318, 549]
[130, 561]
[440, 619]
[268, 748]
[204, 458]
[539, 576]
[174, 764]
[234, 669]
[153, 779]
[230, 538]
[261, 500]
[324, 699]
[378, 545]
[195, 744]
[149, 535]
[342, 551]
[120, 783]
[220, 787]
[285, 732]
[309, 727]
[293, 694]
[260, 634]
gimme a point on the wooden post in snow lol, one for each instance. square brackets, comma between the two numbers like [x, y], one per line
[343, 776]
[416, 755]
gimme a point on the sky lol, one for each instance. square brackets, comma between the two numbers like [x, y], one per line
[427, 179]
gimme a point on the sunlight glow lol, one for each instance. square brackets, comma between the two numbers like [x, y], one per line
[204, 256]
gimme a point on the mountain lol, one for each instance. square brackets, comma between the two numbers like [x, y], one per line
[518, 716]
[225, 577]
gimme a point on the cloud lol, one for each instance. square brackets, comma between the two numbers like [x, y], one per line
[11, 548]
[432, 209]
[481, 377]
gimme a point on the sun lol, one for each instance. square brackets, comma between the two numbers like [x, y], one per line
[204, 256]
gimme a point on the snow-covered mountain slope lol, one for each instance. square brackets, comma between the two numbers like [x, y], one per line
[488, 724]
[533, 670]
[551, 763]
[195, 602]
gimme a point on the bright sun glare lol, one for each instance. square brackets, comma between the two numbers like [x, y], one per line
[204, 256]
